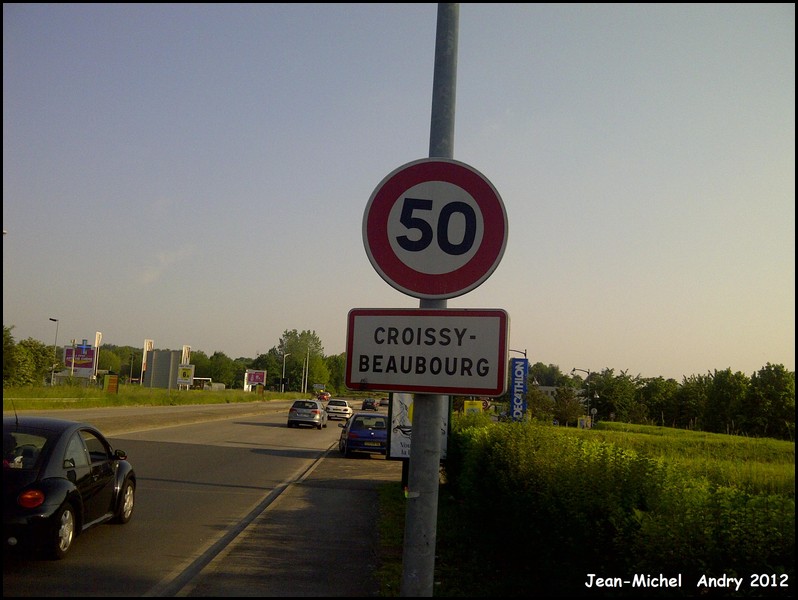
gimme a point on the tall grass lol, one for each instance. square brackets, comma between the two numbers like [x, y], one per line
[62, 396]
[534, 507]
[757, 465]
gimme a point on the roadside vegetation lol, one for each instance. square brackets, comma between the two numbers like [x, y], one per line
[529, 508]
[685, 478]
[761, 404]
[56, 397]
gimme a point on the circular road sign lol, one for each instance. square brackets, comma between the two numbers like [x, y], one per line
[435, 228]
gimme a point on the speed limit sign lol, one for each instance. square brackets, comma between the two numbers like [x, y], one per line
[435, 228]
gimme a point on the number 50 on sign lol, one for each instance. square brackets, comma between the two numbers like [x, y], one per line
[435, 228]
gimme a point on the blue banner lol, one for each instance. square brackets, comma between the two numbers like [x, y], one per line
[519, 367]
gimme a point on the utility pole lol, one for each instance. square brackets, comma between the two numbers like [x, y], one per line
[430, 410]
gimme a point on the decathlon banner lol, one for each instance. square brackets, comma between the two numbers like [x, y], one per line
[519, 367]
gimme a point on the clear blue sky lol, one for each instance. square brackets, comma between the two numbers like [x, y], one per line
[197, 174]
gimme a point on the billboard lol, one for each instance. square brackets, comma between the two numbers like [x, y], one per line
[185, 375]
[79, 360]
[400, 413]
[254, 377]
[519, 368]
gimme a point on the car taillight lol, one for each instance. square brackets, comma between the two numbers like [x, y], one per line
[293, 410]
[315, 411]
[31, 499]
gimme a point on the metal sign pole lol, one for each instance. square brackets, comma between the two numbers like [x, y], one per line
[429, 410]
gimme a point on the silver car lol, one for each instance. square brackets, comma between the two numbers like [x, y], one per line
[339, 409]
[307, 412]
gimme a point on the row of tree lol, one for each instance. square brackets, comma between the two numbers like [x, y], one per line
[723, 402]
[30, 363]
[761, 405]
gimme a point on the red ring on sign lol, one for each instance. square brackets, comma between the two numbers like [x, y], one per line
[443, 285]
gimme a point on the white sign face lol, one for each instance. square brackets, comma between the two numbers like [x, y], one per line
[435, 228]
[429, 351]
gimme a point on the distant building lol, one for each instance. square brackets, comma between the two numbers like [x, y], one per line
[549, 390]
[162, 369]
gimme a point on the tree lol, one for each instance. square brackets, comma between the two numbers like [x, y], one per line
[549, 376]
[336, 367]
[202, 364]
[298, 350]
[691, 399]
[109, 360]
[222, 369]
[659, 396]
[33, 363]
[617, 396]
[769, 407]
[539, 406]
[724, 404]
[9, 349]
[567, 407]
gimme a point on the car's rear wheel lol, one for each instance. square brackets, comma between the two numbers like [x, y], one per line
[63, 532]
[126, 503]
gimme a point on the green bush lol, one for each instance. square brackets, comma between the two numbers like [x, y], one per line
[613, 502]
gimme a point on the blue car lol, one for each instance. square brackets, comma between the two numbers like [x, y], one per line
[364, 433]
[60, 478]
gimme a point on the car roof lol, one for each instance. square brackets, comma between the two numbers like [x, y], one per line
[369, 415]
[28, 422]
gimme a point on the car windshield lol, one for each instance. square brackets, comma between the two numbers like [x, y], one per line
[305, 404]
[20, 449]
[336, 403]
[364, 422]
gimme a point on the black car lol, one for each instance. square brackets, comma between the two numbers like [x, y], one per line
[369, 404]
[59, 479]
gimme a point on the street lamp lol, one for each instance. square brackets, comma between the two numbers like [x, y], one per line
[282, 380]
[587, 385]
[130, 375]
[55, 345]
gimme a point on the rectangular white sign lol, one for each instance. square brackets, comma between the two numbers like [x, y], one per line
[428, 351]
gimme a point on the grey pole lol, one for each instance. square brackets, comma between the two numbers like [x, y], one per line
[55, 355]
[430, 410]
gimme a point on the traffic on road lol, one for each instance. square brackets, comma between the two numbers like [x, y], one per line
[199, 486]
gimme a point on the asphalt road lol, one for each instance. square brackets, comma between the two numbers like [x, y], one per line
[292, 544]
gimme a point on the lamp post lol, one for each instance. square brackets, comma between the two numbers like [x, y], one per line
[130, 375]
[587, 385]
[55, 345]
[306, 372]
[282, 380]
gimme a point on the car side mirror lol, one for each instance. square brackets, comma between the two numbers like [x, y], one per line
[69, 463]
[120, 455]
[342, 425]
